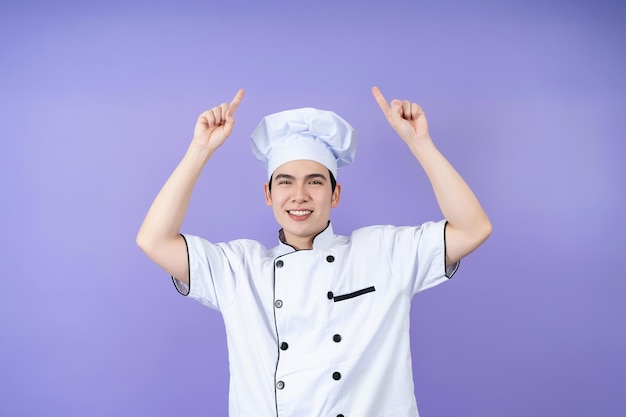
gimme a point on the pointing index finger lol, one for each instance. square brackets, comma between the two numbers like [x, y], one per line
[380, 99]
[235, 103]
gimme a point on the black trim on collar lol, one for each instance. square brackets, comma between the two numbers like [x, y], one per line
[281, 237]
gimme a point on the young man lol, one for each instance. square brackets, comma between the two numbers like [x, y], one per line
[318, 325]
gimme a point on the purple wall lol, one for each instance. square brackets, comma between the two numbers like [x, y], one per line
[98, 103]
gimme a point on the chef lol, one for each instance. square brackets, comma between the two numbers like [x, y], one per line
[319, 324]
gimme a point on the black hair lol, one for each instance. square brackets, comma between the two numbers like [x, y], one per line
[333, 182]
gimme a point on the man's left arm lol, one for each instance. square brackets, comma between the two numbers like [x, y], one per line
[468, 225]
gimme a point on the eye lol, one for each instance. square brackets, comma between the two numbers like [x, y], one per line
[316, 182]
[284, 182]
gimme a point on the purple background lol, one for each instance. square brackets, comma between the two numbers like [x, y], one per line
[98, 103]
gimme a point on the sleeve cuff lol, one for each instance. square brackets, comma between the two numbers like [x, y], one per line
[451, 269]
[181, 287]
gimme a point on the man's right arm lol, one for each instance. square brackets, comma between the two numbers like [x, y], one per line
[159, 236]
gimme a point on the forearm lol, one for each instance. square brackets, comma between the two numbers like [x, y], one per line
[456, 200]
[459, 206]
[468, 225]
[159, 236]
[166, 214]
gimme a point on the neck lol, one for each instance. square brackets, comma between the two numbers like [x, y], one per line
[295, 242]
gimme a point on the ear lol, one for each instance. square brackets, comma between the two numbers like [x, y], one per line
[268, 194]
[334, 202]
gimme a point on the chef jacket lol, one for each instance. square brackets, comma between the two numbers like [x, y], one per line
[320, 332]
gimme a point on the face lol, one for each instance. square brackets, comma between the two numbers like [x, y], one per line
[301, 199]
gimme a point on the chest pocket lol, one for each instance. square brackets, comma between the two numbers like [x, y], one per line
[353, 294]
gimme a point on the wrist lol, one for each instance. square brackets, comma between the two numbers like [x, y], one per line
[199, 153]
[421, 144]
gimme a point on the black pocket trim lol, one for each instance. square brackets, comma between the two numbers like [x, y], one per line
[354, 294]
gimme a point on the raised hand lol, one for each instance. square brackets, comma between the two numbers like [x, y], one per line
[215, 125]
[406, 118]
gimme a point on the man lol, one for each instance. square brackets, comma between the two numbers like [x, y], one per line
[318, 325]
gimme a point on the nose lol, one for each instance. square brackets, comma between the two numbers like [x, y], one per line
[300, 194]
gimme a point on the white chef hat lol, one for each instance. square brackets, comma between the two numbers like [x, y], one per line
[317, 135]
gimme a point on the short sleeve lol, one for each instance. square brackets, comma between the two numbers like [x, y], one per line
[212, 272]
[418, 255]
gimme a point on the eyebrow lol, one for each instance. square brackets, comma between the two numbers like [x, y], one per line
[308, 177]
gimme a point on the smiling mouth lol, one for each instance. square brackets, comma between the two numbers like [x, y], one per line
[299, 213]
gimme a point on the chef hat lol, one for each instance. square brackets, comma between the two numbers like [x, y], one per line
[308, 133]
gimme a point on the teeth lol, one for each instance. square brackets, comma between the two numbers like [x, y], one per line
[299, 212]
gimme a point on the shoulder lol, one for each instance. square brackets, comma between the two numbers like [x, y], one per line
[387, 233]
[368, 232]
[377, 231]
[241, 247]
[369, 237]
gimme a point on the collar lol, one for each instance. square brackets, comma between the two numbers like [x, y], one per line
[323, 240]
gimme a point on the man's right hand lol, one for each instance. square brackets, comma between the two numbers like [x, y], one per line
[215, 125]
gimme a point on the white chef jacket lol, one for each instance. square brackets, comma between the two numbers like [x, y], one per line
[320, 332]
